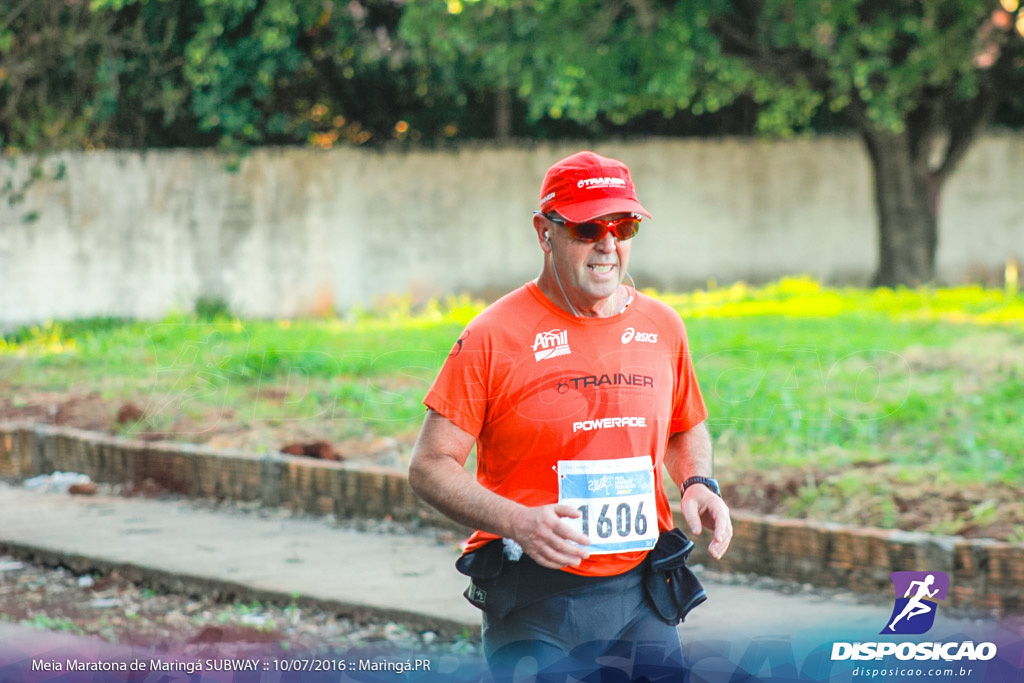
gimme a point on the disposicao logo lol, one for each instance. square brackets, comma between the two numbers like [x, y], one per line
[917, 594]
[913, 613]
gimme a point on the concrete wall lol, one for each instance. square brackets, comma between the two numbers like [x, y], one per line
[297, 231]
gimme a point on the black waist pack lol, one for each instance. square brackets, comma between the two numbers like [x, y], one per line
[492, 586]
[499, 585]
[672, 587]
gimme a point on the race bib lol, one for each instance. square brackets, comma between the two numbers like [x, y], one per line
[616, 499]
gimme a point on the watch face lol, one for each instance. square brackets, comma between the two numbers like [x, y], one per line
[707, 481]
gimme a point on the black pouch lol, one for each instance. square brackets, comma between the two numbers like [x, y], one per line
[493, 581]
[499, 585]
[671, 586]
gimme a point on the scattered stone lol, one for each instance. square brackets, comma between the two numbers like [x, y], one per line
[211, 635]
[85, 489]
[316, 449]
[60, 482]
[124, 612]
[105, 603]
[129, 413]
[256, 620]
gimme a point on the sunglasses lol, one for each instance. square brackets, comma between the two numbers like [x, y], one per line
[595, 230]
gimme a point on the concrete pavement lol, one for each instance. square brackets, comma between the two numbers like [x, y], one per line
[181, 545]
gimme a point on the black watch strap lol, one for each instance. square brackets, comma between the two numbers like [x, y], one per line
[707, 481]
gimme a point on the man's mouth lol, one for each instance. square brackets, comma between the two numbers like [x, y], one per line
[601, 268]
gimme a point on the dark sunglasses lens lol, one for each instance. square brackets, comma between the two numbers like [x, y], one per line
[624, 229]
[627, 229]
[588, 232]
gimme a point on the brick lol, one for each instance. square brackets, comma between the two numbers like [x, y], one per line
[7, 467]
[115, 463]
[168, 468]
[325, 505]
[969, 561]
[1005, 566]
[969, 572]
[272, 474]
[748, 551]
[45, 459]
[24, 445]
[305, 481]
[15, 450]
[62, 457]
[798, 550]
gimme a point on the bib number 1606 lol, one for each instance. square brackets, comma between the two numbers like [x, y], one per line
[624, 524]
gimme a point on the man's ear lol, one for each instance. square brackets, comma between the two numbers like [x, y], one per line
[540, 225]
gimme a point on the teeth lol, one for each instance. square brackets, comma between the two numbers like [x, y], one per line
[602, 268]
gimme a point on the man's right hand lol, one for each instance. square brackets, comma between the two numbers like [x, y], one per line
[548, 539]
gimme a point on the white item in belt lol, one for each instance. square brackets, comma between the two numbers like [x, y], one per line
[513, 550]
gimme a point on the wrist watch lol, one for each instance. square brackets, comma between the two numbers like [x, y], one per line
[707, 481]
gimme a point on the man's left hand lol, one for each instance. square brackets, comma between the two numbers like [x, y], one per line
[703, 507]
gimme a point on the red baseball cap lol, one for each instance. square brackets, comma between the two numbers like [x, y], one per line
[587, 185]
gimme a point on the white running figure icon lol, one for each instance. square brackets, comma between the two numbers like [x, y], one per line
[916, 605]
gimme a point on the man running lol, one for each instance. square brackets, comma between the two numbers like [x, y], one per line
[577, 392]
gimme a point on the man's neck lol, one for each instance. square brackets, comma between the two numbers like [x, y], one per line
[602, 308]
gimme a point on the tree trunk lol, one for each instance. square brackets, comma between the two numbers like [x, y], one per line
[906, 201]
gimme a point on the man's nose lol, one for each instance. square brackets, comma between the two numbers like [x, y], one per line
[607, 244]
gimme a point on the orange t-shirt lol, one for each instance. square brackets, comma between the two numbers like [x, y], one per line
[536, 385]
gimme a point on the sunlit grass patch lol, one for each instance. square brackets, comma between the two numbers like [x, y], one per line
[802, 297]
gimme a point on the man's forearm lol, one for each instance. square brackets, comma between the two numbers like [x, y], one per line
[457, 494]
[689, 454]
[443, 483]
[437, 473]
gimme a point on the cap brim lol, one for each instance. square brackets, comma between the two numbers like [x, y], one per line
[585, 211]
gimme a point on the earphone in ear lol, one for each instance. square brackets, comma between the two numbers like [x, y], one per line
[546, 238]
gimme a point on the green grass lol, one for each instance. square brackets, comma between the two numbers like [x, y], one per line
[841, 397]
[368, 371]
[928, 379]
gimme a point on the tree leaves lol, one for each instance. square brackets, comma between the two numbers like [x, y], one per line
[243, 72]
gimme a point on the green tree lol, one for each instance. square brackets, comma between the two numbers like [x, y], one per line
[272, 71]
[79, 75]
[46, 43]
[235, 73]
[63, 70]
[917, 79]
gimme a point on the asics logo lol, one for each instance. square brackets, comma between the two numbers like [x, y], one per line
[632, 335]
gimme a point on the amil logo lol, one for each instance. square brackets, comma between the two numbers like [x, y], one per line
[917, 594]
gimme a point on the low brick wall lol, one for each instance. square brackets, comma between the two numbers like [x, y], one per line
[315, 486]
[984, 574]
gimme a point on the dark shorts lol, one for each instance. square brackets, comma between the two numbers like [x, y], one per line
[605, 626]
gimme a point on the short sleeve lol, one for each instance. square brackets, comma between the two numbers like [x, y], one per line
[460, 391]
[688, 409]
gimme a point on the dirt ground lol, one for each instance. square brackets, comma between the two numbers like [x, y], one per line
[221, 428]
[915, 508]
[118, 611]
